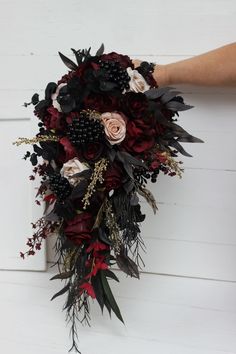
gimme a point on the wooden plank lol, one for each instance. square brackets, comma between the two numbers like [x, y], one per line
[18, 195]
[159, 27]
[164, 314]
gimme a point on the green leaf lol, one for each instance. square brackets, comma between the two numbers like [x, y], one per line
[61, 292]
[64, 275]
[110, 298]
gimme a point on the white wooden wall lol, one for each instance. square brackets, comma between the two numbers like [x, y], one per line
[194, 231]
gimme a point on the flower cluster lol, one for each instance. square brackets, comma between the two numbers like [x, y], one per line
[105, 129]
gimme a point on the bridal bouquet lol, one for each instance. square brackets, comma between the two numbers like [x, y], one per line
[105, 130]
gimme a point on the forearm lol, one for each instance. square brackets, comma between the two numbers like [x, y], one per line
[214, 68]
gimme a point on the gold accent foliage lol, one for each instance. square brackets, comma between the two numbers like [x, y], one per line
[114, 234]
[97, 176]
[92, 114]
[99, 215]
[173, 164]
[35, 139]
[144, 192]
[70, 259]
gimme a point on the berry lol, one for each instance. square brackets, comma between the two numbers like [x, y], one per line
[115, 73]
[60, 186]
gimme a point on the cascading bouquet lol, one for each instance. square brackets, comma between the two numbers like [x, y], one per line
[105, 129]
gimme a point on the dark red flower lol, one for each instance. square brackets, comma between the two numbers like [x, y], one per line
[53, 119]
[134, 105]
[113, 177]
[92, 151]
[123, 60]
[79, 228]
[70, 151]
[89, 289]
[140, 136]
[101, 102]
[85, 67]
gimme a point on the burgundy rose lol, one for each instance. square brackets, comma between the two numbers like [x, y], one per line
[84, 67]
[134, 105]
[66, 78]
[113, 177]
[92, 151]
[79, 228]
[101, 103]
[123, 60]
[69, 150]
[140, 136]
[53, 119]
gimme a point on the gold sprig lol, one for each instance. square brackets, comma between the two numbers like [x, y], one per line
[35, 139]
[97, 176]
[114, 233]
[92, 114]
[173, 164]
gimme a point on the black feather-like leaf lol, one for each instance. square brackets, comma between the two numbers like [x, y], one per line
[189, 139]
[100, 51]
[178, 106]
[127, 265]
[62, 291]
[68, 62]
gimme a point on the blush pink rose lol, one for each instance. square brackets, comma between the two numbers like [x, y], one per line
[114, 126]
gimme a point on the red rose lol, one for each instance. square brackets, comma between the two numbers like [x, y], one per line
[140, 136]
[113, 177]
[134, 105]
[53, 119]
[92, 151]
[70, 151]
[79, 228]
[123, 60]
[101, 103]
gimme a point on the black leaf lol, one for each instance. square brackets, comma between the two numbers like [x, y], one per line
[98, 289]
[33, 159]
[62, 291]
[189, 139]
[69, 63]
[50, 89]
[178, 147]
[103, 237]
[169, 96]
[100, 51]
[37, 150]
[61, 276]
[127, 265]
[154, 93]
[177, 106]
[110, 298]
[35, 99]
[109, 274]
[79, 190]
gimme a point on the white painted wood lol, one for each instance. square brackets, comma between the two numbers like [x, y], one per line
[17, 199]
[166, 315]
[131, 26]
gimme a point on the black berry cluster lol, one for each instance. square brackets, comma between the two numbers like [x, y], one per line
[60, 186]
[115, 73]
[85, 129]
[143, 175]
